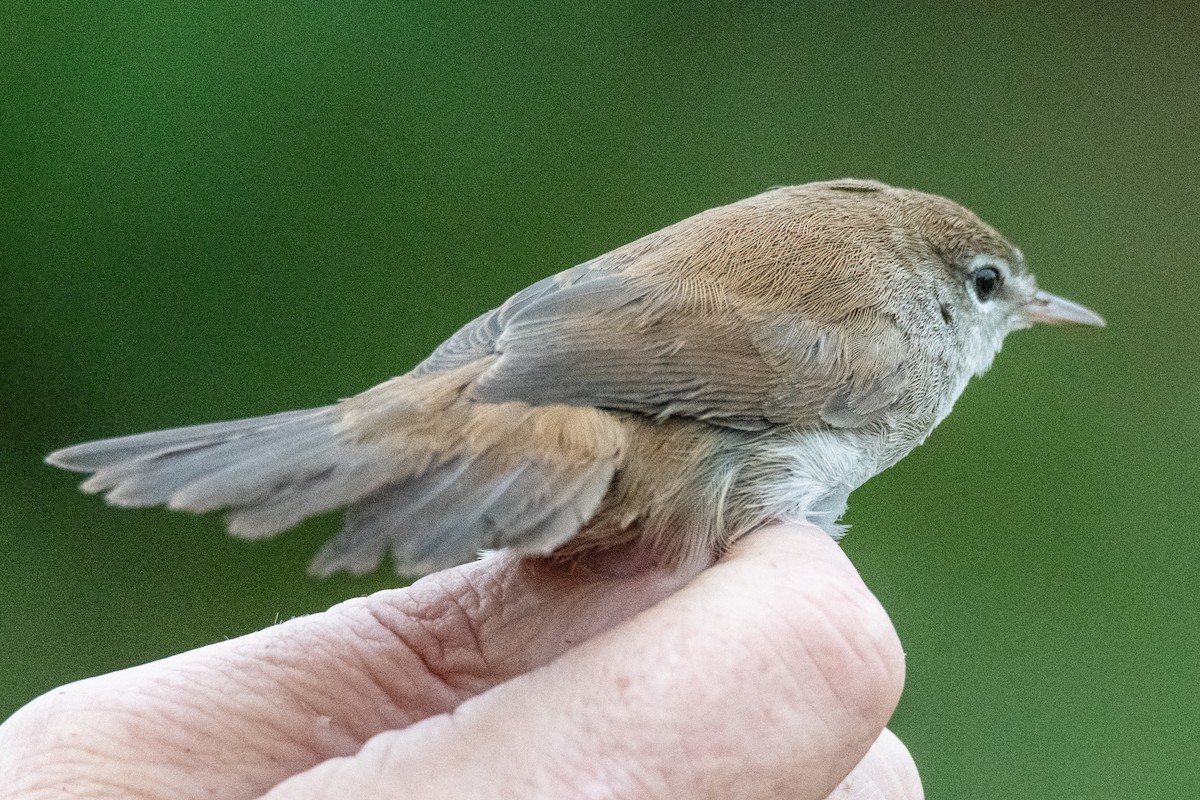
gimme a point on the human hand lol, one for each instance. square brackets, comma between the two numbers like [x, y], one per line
[770, 674]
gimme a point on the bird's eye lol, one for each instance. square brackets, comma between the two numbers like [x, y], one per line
[987, 282]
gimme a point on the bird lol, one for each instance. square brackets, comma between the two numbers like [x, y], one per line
[755, 362]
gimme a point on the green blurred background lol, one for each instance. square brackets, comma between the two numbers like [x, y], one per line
[215, 210]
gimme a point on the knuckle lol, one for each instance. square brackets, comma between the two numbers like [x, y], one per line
[437, 620]
[843, 631]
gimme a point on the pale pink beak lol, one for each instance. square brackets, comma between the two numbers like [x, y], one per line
[1055, 310]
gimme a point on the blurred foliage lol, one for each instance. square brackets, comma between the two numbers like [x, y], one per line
[220, 209]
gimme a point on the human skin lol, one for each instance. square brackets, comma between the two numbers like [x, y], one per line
[769, 674]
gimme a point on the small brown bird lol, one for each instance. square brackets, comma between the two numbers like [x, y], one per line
[758, 361]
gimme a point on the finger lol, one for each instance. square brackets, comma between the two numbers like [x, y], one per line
[235, 718]
[887, 773]
[769, 675]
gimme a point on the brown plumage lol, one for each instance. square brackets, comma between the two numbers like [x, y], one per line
[756, 361]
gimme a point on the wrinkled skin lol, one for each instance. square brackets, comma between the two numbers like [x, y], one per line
[769, 674]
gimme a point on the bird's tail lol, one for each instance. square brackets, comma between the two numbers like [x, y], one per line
[431, 503]
[269, 472]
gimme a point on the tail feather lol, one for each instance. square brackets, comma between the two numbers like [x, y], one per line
[515, 512]
[323, 486]
[92, 456]
[271, 472]
[430, 503]
[152, 480]
[450, 513]
[457, 527]
[252, 470]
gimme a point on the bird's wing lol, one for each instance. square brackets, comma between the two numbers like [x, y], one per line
[597, 335]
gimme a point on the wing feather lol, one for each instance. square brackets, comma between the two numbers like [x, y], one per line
[599, 336]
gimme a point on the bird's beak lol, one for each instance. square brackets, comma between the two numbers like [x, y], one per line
[1055, 310]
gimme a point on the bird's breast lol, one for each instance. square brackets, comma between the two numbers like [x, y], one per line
[808, 475]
